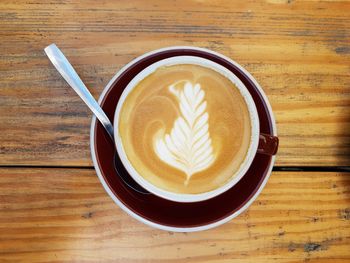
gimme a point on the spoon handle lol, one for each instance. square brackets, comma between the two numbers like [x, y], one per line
[68, 73]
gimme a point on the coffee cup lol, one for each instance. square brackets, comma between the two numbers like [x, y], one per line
[186, 129]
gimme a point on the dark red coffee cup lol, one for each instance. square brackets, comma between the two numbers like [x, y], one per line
[174, 216]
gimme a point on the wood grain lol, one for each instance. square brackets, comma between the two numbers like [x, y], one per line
[299, 51]
[64, 215]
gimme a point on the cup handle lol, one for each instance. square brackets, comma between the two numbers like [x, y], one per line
[268, 144]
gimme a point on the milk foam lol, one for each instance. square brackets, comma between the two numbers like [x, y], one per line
[157, 125]
[188, 147]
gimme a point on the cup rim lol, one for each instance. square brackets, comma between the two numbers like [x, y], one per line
[145, 220]
[254, 122]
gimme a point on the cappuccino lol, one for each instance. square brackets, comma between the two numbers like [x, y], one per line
[185, 128]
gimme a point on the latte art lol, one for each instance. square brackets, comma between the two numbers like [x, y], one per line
[185, 128]
[188, 146]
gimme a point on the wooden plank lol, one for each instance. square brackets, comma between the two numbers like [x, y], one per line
[298, 50]
[64, 215]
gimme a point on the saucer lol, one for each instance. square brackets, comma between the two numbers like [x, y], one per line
[164, 214]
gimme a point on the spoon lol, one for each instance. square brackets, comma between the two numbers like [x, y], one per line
[70, 75]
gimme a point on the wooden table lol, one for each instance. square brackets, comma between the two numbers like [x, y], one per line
[52, 206]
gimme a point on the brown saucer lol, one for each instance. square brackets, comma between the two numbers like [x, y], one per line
[162, 213]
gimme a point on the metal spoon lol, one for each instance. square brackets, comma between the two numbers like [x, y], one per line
[70, 75]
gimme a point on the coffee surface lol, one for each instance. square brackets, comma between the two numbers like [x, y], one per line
[185, 128]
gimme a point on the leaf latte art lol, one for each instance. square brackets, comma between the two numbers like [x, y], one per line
[185, 129]
[188, 147]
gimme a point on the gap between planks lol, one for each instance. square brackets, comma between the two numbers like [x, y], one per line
[275, 169]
